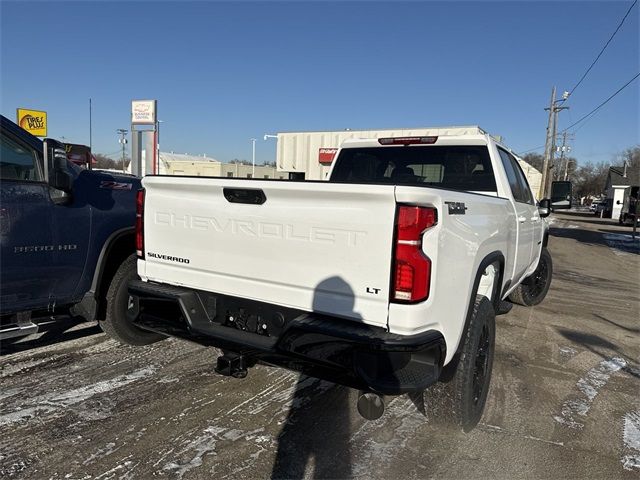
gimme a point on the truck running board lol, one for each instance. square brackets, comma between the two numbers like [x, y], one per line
[21, 330]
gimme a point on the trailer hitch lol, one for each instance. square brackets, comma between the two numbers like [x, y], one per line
[233, 365]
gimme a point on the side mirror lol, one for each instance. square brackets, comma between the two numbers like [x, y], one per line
[544, 207]
[55, 165]
[561, 193]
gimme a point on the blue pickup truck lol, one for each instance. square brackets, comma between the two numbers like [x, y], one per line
[67, 238]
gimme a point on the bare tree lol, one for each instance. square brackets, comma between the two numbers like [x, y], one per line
[104, 162]
[535, 160]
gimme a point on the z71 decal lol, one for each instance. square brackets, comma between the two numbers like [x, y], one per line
[109, 185]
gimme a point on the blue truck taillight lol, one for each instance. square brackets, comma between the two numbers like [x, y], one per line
[140, 223]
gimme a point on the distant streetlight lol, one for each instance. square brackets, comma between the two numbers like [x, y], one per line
[158, 122]
[253, 158]
[123, 141]
[267, 136]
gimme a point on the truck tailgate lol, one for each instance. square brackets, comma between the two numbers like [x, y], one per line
[312, 246]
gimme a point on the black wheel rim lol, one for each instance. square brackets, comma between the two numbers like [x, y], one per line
[538, 281]
[481, 365]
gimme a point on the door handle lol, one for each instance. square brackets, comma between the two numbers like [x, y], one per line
[522, 219]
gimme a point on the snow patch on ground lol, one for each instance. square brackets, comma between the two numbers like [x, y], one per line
[13, 368]
[622, 244]
[54, 402]
[383, 451]
[169, 380]
[282, 392]
[568, 351]
[108, 449]
[589, 385]
[495, 428]
[193, 452]
[119, 470]
[631, 439]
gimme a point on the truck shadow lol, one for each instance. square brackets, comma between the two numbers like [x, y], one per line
[51, 332]
[317, 432]
[588, 237]
[601, 347]
[618, 240]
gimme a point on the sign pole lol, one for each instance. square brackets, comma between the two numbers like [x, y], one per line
[144, 130]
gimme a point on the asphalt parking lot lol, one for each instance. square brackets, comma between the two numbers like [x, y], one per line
[564, 400]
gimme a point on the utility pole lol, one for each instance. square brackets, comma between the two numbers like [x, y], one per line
[123, 132]
[253, 157]
[550, 144]
[564, 149]
[90, 139]
[547, 146]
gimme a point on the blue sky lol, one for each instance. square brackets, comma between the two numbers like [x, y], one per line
[224, 72]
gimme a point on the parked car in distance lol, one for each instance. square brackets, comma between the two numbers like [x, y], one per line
[601, 208]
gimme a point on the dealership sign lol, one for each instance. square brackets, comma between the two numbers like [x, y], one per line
[33, 121]
[143, 112]
[326, 155]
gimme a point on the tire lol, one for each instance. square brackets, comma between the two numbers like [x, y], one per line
[463, 397]
[533, 289]
[116, 324]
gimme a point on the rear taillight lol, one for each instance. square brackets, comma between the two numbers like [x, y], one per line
[411, 267]
[140, 223]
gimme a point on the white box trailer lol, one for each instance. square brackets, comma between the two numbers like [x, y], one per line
[309, 155]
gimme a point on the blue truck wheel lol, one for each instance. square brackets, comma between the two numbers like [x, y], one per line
[116, 324]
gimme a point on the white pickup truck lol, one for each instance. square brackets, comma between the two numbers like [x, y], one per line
[386, 278]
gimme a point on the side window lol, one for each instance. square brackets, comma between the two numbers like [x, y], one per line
[17, 162]
[527, 197]
[516, 188]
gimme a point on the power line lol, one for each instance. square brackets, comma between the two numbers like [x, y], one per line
[603, 48]
[117, 152]
[592, 112]
[531, 150]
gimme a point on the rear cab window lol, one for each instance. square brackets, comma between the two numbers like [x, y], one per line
[465, 168]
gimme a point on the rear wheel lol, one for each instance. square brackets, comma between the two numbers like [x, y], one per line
[534, 288]
[463, 397]
[116, 324]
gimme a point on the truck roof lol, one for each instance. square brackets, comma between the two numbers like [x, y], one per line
[444, 130]
[444, 138]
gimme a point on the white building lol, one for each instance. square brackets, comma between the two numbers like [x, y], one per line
[618, 181]
[203, 166]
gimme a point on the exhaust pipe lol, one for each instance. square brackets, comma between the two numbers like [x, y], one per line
[370, 405]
